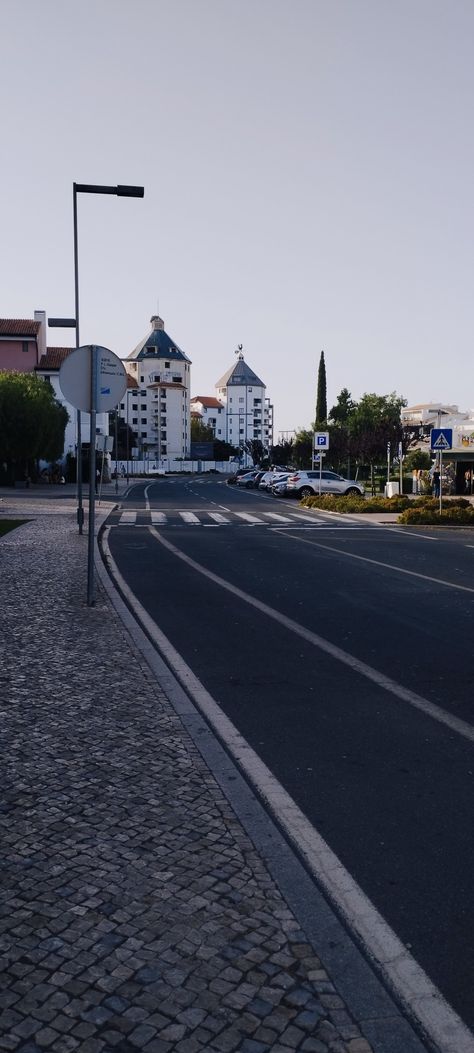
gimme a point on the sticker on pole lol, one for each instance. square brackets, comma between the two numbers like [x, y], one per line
[441, 439]
[75, 379]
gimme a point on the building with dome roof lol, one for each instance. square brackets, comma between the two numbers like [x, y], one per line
[157, 406]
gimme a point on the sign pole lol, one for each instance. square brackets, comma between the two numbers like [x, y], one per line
[320, 472]
[440, 481]
[92, 474]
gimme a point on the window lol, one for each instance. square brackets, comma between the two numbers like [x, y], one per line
[134, 405]
[167, 365]
[47, 380]
[143, 434]
[143, 420]
[163, 450]
[25, 345]
[241, 432]
[142, 380]
[219, 431]
[249, 389]
[230, 400]
[143, 406]
[134, 420]
[241, 399]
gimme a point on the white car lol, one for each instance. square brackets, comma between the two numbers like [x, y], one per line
[270, 478]
[306, 484]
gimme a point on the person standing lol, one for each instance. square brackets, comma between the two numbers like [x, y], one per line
[436, 479]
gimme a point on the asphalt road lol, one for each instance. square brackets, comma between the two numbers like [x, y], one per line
[388, 786]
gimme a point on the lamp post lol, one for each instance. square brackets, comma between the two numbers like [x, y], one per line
[89, 188]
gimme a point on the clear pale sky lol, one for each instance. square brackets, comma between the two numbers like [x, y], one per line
[309, 176]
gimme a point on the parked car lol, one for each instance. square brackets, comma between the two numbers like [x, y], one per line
[246, 480]
[271, 477]
[237, 474]
[303, 484]
[278, 487]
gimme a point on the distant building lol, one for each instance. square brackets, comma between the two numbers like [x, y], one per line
[22, 342]
[211, 413]
[158, 407]
[241, 410]
[23, 349]
[418, 422]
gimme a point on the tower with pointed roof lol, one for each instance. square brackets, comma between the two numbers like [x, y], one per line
[157, 404]
[249, 413]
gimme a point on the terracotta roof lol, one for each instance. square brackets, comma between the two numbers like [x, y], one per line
[19, 327]
[208, 401]
[54, 357]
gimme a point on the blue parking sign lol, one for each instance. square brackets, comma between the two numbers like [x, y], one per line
[321, 440]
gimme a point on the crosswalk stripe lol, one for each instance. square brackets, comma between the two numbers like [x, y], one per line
[248, 517]
[189, 517]
[279, 519]
[158, 518]
[218, 517]
[128, 517]
[307, 519]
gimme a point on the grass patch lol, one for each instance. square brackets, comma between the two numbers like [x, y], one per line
[10, 524]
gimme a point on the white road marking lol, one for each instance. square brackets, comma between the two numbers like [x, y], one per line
[374, 675]
[279, 518]
[128, 517]
[413, 986]
[388, 566]
[158, 518]
[189, 517]
[248, 517]
[218, 517]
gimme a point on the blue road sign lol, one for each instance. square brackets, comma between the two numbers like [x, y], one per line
[441, 439]
[321, 440]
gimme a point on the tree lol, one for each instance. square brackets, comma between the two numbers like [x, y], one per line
[321, 396]
[283, 453]
[417, 459]
[255, 448]
[201, 432]
[373, 424]
[303, 448]
[126, 437]
[342, 411]
[32, 423]
[223, 451]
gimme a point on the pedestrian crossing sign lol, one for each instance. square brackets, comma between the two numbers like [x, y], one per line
[441, 439]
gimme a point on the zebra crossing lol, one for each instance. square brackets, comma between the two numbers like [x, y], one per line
[177, 517]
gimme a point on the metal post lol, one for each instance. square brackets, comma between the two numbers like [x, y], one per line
[92, 471]
[80, 509]
[440, 481]
[388, 462]
[116, 450]
[127, 439]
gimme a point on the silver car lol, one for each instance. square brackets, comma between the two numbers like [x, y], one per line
[305, 484]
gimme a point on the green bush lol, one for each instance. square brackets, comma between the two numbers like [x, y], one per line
[332, 503]
[454, 512]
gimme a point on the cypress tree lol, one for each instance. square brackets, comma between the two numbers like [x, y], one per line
[321, 396]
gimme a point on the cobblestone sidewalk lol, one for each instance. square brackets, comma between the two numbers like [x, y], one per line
[135, 914]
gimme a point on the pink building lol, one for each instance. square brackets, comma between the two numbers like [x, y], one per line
[22, 342]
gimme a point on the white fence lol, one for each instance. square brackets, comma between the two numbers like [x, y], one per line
[150, 467]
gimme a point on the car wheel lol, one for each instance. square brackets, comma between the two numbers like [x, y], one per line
[352, 492]
[306, 491]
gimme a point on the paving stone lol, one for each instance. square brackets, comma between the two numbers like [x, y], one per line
[138, 914]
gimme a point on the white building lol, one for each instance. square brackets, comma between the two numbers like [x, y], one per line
[211, 412]
[48, 369]
[158, 409]
[241, 411]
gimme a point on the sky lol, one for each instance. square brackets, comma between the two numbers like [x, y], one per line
[308, 168]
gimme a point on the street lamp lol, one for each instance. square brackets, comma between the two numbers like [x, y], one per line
[89, 188]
